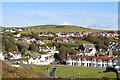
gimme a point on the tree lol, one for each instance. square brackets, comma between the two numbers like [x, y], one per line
[33, 48]
[99, 41]
[35, 35]
[63, 52]
[22, 45]
[8, 44]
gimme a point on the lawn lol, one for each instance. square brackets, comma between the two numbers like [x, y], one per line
[22, 65]
[73, 72]
[45, 69]
[70, 72]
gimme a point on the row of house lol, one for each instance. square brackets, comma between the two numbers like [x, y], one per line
[48, 49]
[44, 59]
[92, 61]
[12, 30]
[15, 55]
[63, 39]
[43, 34]
[41, 42]
[57, 39]
[82, 34]
[72, 34]
[19, 29]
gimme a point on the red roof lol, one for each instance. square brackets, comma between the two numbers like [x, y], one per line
[25, 38]
[103, 58]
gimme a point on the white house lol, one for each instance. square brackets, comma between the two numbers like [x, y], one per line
[15, 55]
[32, 39]
[44, 59]
[46, 34]
[88, 49]
[1, 56]
[92, 61]
[17, 35]
[117, 66]
[20, 29]
[11, 30]
[63, 35]
[40, 42]
[48, 49]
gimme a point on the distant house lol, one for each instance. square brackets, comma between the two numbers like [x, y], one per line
[114, 46]
[26, 39]
[6, 30]
[32, 39]
[17, 35]
[46, 34]
[48, 49]
[44, 59]
[63, 39]
[63, 35]
[88, 49]
[15, 55]
[11, 30]
[19, 29]
[40, 42]
[93, 61]
[104, 52]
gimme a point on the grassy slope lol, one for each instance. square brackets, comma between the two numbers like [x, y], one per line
[67, 72]
[53, 28]
[10, 72]
[42, 69]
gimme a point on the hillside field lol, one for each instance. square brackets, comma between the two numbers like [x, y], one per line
[58, 28]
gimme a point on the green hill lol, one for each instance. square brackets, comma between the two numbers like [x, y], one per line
[58, 28]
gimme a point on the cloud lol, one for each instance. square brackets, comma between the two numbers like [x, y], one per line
[66, 23]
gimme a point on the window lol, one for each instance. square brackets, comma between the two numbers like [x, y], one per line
[99, 65]
[82, 64]
[69, 59]
[109, 61]
[102, 65]
[78, 59]
[68, 63]
[94, 60]
[99, 60]
[83, 59]
[115, 61]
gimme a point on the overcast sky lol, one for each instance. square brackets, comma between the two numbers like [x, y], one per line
[97, 15]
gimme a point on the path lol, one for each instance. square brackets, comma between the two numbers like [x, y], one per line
[53, 71]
